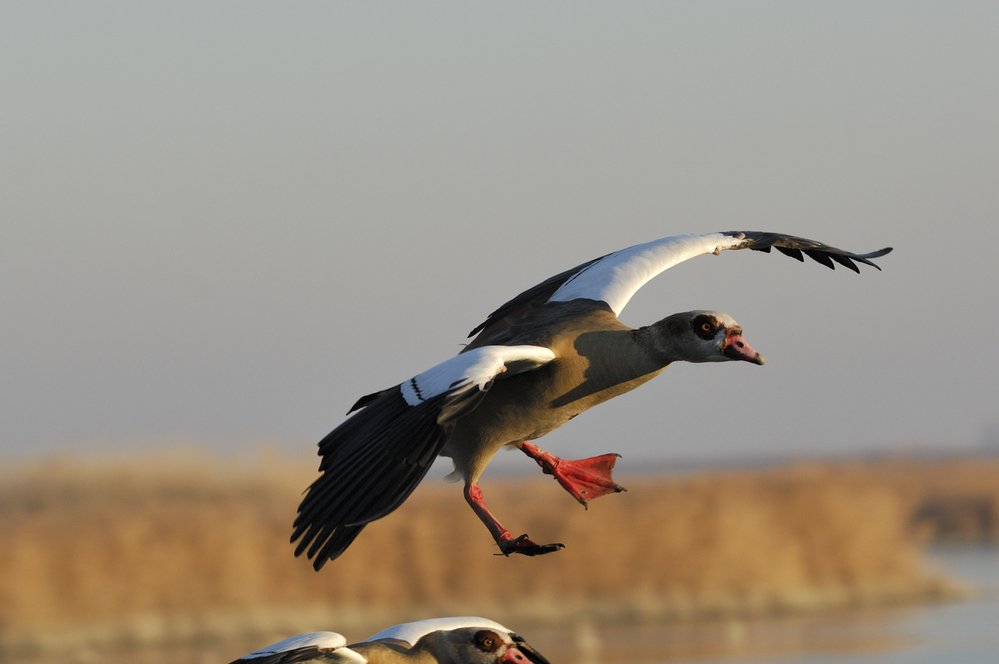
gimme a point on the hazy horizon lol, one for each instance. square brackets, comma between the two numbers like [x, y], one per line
[223, 223]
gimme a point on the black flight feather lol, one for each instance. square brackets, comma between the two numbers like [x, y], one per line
[306, 654]
[370, 464]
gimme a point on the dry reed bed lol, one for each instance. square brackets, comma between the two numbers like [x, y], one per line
[134, 552]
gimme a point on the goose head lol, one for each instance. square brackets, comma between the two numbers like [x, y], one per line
[479, 645]
[699, 336]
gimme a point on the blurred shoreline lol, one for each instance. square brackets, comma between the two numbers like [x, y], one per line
[136, 554]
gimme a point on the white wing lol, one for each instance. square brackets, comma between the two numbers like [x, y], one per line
[414, 631]
[616, 277]
[475, 368]
[324, 640]
[313, 646]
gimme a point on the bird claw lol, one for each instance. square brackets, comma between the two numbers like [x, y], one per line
[524, 545]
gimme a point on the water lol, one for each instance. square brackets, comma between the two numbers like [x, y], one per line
[962, 632]
[959, 632]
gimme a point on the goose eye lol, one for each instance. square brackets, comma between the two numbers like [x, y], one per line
[486, 641]
[705, 327]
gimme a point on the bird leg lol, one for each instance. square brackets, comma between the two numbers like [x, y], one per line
[504, 539]
[584, 479]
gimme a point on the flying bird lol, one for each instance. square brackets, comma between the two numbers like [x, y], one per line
[535, 363]
[456, 640]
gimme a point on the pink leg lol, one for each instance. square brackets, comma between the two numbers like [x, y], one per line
[507, 542]
[584, 479]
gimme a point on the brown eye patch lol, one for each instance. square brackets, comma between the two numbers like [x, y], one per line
[486, 640]
[705, 326]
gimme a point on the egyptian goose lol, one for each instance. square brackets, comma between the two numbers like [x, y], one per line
[539, 360]
[457, 640]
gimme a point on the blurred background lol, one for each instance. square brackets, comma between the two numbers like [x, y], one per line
[223, 223]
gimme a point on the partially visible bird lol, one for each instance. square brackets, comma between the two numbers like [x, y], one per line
[455, 640]
[536, 362]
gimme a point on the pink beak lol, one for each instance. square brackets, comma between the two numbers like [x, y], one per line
[520, 652]
[514, 656]
[736, 348]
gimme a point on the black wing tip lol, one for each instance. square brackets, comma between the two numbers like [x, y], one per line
[318, 558]
[865, 258]
[370, 465]
[317, 561]
[799, 247]
[793, 253]
[821, 257]
[878, 254]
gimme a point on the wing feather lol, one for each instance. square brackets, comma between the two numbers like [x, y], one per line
[328, 647]
[375, 459]
[788, 251]
[299, 656]
[820, 257]
[616, 277]
[366, 472]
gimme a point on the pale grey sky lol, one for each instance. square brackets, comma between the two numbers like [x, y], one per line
[224, 222]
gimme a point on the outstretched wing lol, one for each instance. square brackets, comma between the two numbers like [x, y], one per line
[614, 278]
[376, 458]
[326, 647]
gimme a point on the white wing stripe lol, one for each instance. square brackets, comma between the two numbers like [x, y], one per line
[616, 277]
[325, 640]
[474, 368]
